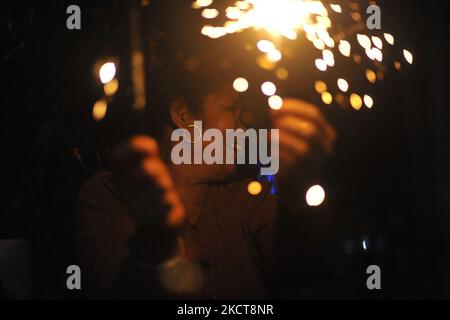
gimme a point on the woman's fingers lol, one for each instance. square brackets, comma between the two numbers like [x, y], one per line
[147, 180]
[305, 130]
[308, 113]
[305, 135]
[144, 145]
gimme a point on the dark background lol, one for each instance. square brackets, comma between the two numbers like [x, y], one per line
[388, 185]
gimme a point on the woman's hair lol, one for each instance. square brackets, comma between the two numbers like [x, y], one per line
[181, 62]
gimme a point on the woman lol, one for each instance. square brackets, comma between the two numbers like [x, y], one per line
[152, 229]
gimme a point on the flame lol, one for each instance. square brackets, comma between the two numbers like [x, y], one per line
[284, 18]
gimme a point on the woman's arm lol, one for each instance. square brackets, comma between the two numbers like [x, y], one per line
[292, 236]
[111, 267]
[128, 223]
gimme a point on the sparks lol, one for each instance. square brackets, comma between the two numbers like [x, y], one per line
[286, 20]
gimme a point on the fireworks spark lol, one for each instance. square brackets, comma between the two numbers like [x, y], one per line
[288, 20]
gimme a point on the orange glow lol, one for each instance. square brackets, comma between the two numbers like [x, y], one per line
[254, 188]
[356, 101]
[371, 76]
[110, 88]
[320, 86]
[99, 110]
[327, 98]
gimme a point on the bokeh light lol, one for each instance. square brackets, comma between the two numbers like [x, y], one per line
[107, 72]
[265, 46]
[240, 85]
[408, 56]
[210, 13]
[268, 88]
[275, 102]
[315, 196]
[368, 101]
[389, 38]
[254, 188]
[371, 76]
[343, 85]
[356, 101]
[99, 110]
[327, 98]
[320, 86]
[321, 65]
[110, 88]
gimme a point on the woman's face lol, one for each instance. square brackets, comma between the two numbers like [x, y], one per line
[221, 111]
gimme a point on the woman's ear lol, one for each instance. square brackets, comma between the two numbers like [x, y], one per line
[179, 113]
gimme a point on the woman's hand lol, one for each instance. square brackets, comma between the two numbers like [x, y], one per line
[146, 183]
[306, 140]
